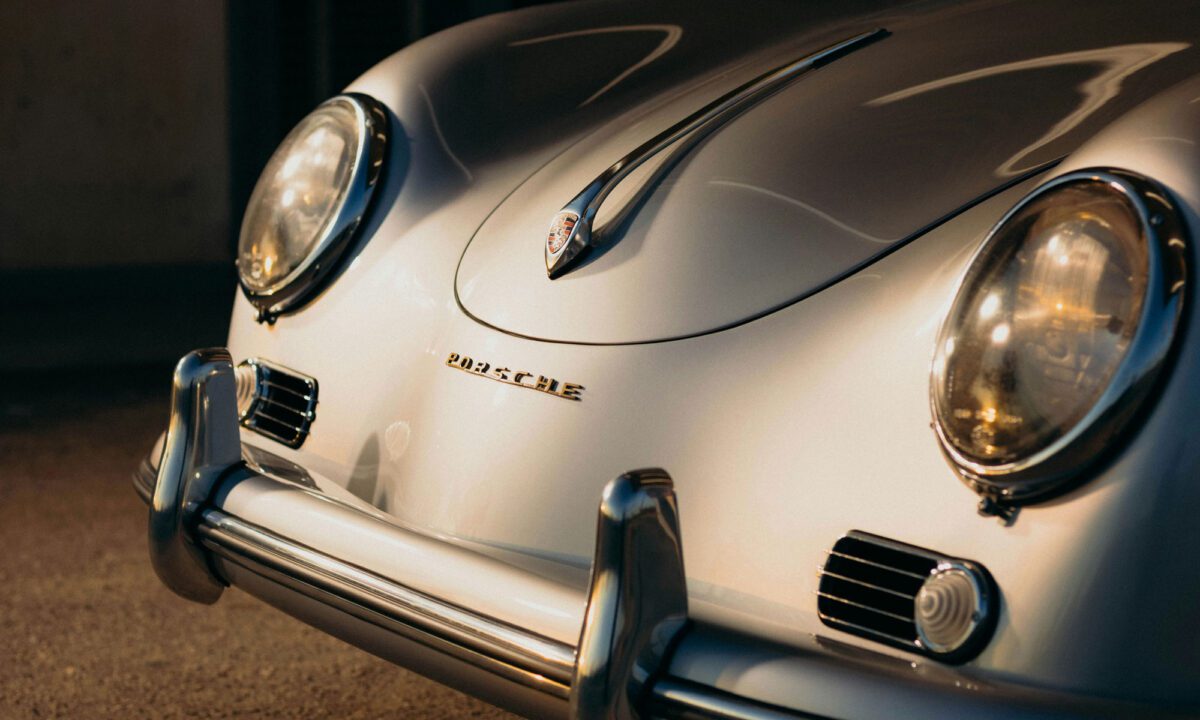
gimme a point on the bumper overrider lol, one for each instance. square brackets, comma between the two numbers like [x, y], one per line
[638, 654]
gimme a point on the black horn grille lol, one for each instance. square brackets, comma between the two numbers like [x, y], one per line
[283, 405]
[869, 586]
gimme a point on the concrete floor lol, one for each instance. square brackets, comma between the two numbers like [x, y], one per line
[87, 631]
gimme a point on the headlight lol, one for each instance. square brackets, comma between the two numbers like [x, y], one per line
[1058, 331]
[309, 200]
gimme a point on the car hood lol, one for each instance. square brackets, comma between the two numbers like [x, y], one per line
[838, 168]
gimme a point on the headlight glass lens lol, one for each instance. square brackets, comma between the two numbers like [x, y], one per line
[1042, 323]
[300, 195]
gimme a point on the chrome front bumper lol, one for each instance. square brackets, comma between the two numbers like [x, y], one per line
[638, 654]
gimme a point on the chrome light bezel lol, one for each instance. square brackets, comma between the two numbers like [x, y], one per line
[1060, 465]
[305, 279]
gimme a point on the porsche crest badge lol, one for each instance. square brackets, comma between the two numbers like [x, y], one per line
[560, 231]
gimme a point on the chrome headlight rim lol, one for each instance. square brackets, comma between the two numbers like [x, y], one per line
[305, 280]
[1061, 465]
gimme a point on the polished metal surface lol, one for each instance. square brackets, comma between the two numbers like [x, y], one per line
[512, 653]
[518, 378]
[367, 167]
[883, 589]
[143, 478]
[268, 463]
[637, 604]
[733, 676]
[257, 459]
[817, 404]
[276, 402]
[507, 651]
[944, 610]
[821, 178]
[639, 620]
[571, 229]
[1061, 464]
[675, 699]
[202, 445]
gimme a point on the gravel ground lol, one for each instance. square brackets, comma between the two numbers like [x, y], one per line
[87, 631]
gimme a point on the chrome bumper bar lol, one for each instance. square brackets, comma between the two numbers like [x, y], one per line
[509, 652]
[636, 607]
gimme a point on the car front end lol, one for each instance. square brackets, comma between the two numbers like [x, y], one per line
[793, 411]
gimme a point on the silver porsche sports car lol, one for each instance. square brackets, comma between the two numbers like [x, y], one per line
[735, 360]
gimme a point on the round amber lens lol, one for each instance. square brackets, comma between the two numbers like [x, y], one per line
[1041, 324]
[299, 195]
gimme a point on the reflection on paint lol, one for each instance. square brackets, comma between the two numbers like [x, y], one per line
[396, 438]
[806, 207]
[1116, 63]
[672, 34]
[437, 130]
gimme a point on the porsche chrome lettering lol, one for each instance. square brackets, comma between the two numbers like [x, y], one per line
[520, 378]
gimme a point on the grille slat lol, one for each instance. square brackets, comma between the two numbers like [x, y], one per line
[898, 605]
[275, 386]
[864, 584]
[904, 631]
[295, 382]
[287, 438]
[288, 428]
[901, 582]
[862, 629]
[864, 606]
[285, 410]
[284, 406]
[868, 585]
[889, 557]
[853, 558]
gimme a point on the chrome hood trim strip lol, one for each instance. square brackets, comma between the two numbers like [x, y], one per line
[688, 132]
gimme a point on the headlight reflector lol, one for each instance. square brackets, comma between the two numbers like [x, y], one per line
[1065, 314]
[309, 199]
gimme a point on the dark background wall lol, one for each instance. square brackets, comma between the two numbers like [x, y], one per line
[113, 133]
[131, 135]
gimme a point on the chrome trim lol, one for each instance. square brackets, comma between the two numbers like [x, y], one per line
[262, 384]
[269, 464]
[981, 612]
[861, 606]
[635, 608]
[675, 699]
[1058, 466]
[870, 633]
[879, 588]
[202, 445]
[259, 460]
[987, 595]
[298, 286]
[513, 653]
[143, 480]
[528, 659]
[508, 376]
[864, 561]
[690, 130]
[889, 544]
[637, 603]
